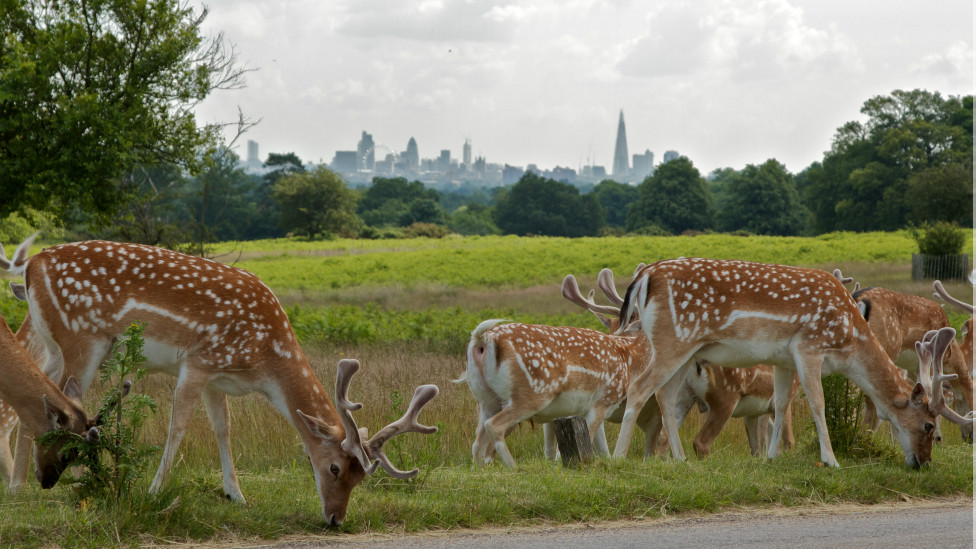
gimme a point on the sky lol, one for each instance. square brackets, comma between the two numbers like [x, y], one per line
[724, 82]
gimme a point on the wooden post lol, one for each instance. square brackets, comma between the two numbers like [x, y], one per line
[573, 439]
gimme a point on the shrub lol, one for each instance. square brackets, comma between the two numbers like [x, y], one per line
[429, 230]
[942, 238]
[121, 418]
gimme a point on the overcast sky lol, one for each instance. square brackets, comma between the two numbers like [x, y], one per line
[726, 83]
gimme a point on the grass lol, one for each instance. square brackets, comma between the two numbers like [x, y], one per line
[414, 333]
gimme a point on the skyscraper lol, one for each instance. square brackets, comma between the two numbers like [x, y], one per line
[412, 156]
[366, 152]
[621, 166]
[466, 154]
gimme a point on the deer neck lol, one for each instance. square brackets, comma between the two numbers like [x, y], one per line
[874, 372]
[301, 390]
[24, 387]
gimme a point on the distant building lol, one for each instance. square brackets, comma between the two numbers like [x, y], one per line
[253, 163]
[643, 165]
[411, 158]
[366, 150]
[621, 168]
[565, 175]
[466, 154]
[345, 161]
[444, 161]
[511, 174]
[671, 155]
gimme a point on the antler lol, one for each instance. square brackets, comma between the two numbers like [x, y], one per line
[605, 282]
[940, 292]
[406, 424]
[353, 444]
[931, 351]
[606, 313]
[846, 280]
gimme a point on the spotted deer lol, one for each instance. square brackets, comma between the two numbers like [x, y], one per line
[41, 406]
[723, 393]
[519, 371]
[737, 313]
[967, 327]
[219, 330]
[900, 320]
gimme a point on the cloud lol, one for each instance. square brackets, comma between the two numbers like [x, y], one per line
[955, 62]
[427, 20]
[746, 39]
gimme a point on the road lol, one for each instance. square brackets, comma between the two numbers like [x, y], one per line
[935, 525]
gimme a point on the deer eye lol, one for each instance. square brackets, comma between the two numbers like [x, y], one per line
[334, 469]
[929, 427]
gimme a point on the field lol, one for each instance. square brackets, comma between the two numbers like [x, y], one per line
[405, 309]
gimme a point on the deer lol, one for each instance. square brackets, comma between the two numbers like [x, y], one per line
[738, 314]
[900, 320]
[42, 407]
[722, 393]
[219, 330]
[967, 327]
[518, 372]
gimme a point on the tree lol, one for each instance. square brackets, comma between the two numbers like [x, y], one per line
[944, 193]
[675, 199]
[91, 89]
[317, 202]
[540, 206]
[864, 181]
[391, 202]
[763, 200]
[615, 198]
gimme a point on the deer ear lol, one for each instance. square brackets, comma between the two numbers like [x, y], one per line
[900, 402]
[19, 290]
[56, 417]
[72, 390]
[918, 395]
[320, 428]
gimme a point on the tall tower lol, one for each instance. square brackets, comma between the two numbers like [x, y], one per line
[621, 167]
[466, 154]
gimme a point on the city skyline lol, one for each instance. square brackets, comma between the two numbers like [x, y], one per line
[726, 82]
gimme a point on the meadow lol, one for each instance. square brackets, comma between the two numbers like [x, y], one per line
[405, 309]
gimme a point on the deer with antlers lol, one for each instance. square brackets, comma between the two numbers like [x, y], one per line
[41, 406]
[518, 372]
[967, 327]
[738, 313]
[722, 393]
[219, 330]
[900, 320]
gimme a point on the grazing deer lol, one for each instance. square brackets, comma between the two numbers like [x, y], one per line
[967, 327]
[723, 393]
[41, 405]
[737, 313]
[219, 330]
[519, 371]
[900, 320]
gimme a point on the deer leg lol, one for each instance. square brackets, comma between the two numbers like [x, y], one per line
[600, 441]
[788, 440]
[808, 367]
[716, 418]
[550, 448]
[22, 456]
[755, 432]
[6, 458]
[782, 391]
[189, 388]
[650, 422]
[667, 399]
[494, 432]
[216, 403]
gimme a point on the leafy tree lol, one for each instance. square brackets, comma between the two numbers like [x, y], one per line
[763, 200]
[863, 182]
[91, 89]
[156, 214]
[536, 205]
[390, 202]
[615, 199]
[474, 219]
[317, 202]
[943, 193]
[222, 200]
[675, 199]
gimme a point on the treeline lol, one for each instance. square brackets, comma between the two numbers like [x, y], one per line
[909, 164]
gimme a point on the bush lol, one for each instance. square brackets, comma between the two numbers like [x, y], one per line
[429, 230]
[942, 238]
[121, 418]
[843, 403]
